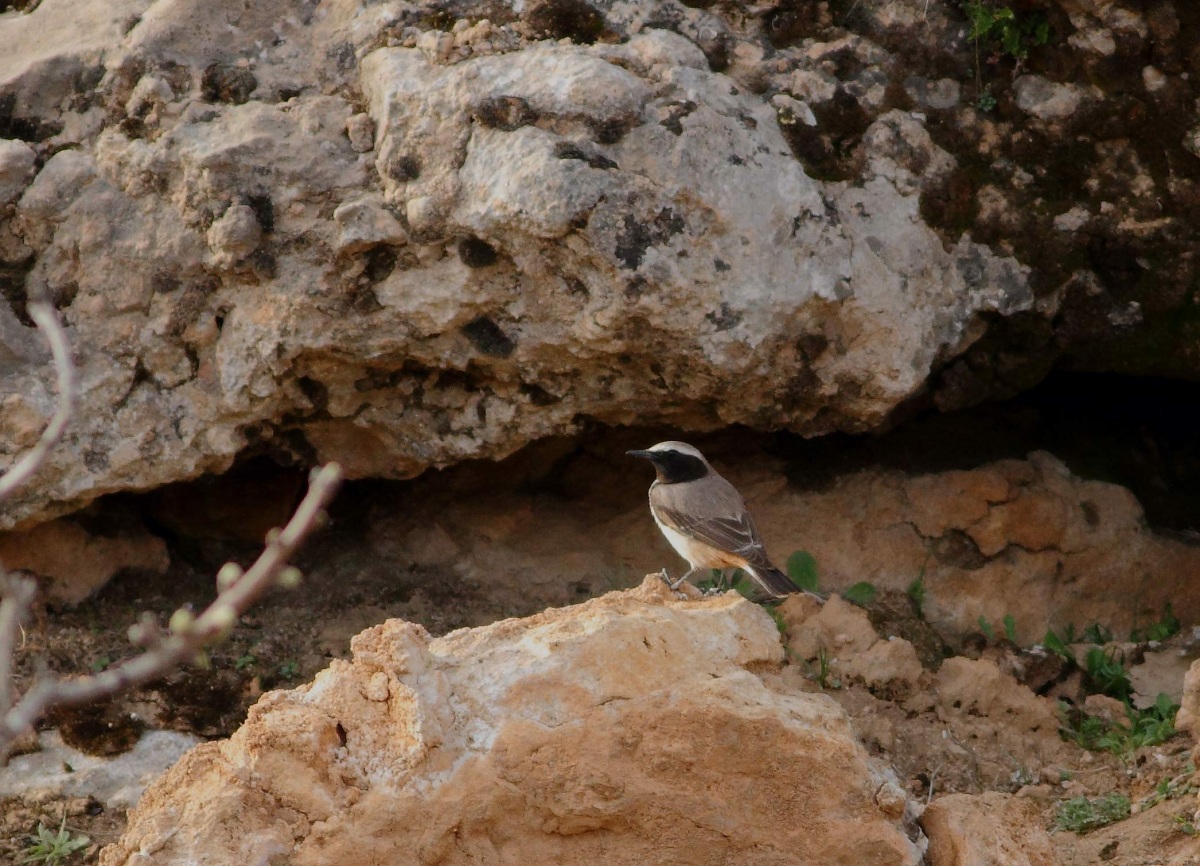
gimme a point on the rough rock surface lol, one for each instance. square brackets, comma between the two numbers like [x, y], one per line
[628, 729]
[403, 235]
[993, 829]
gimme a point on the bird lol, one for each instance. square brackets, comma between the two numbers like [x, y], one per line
[705, 519]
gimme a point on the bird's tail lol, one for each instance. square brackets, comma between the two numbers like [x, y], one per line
[774, 581]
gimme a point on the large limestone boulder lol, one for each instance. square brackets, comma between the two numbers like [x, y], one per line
[348, 234]
[630, 729]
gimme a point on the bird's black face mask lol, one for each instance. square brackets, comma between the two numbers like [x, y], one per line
[674, 466]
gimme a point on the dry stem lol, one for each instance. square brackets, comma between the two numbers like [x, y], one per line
[164, 652]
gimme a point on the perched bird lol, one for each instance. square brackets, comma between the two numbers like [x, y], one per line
[705, 518]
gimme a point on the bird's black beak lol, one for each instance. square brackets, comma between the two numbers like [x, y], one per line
[649, 455]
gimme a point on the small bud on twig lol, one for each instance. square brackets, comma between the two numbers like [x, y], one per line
[290, 577]
[181, 621]
[273, 536]
[229, 574]
[223, 618]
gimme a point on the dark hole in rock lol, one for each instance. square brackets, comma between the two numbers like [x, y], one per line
[486, 336]
[565, 19]
[381, 261]
[223, 83]
[612, 130]
[505, 113]
[403, 167]
[476, 253]
[828, 150]
[316, 392]
[264, 210]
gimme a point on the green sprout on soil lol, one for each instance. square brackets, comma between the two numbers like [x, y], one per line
[1010, 627]
[1003, 30]
[1081, 814]
[289, 669]
[776, 615]
[986, 628]
[1106, 673]
[1148, 727]
[916, 593]
[243, 662]
[51, 848]
[1166, 627]
[824, 680]
[802, 568]
[862, 594]
[1170, 789]
[1183, 823]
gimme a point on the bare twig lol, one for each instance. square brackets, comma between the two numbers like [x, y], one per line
[18, 595]
[164, 651]
[43, 315]
[189, 635]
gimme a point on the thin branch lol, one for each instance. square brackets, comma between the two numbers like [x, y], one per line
[188, 635]
[18, 595]
[43, 315]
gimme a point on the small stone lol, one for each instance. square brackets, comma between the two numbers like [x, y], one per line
[1045, 99]
[17, 162]
[235, 235]
[1153, 80]
[360, 129]
[364, 223]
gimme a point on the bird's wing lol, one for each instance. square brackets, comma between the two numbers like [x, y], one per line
[711, 511]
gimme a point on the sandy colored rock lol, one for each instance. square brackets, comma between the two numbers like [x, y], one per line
[74, 562]
[1188, 717]
[624, 730]
[838, 629]
[991, 829]
[888, 666]
[979, 687]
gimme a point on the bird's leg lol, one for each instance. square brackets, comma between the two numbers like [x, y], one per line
[675, 584]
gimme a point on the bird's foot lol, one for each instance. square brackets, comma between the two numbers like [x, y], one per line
[678, 583]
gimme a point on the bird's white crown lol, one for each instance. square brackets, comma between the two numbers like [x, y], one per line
[681, 447]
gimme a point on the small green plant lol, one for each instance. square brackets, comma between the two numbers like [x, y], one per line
[1010, 627]
[243, 662]
[986, 628]
[1081, 814]
[1097, 634]
[1001, 29]
[777, 615]
[101, 663]
[802, 568]
[1170, 789]
[1059, 645]
[916, 593]
[986, 101]
[1106, 673]
[1183, 823]
[1166, 627]
[1148, 727]
[289, 669]
[50, 848]
[862, 594]
[824, 669]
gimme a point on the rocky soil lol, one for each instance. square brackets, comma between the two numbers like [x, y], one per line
[948, 709]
